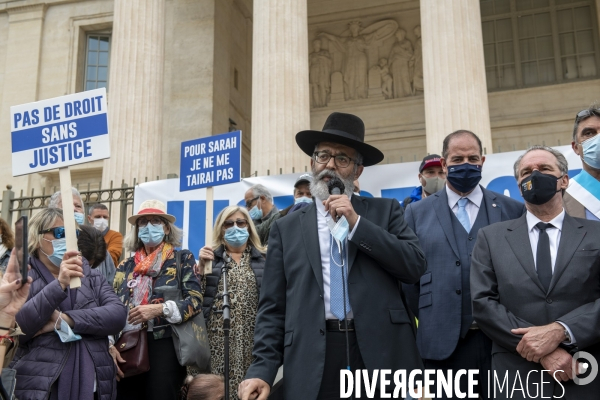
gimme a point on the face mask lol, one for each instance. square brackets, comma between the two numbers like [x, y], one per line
[539, 188]
[79, 217]
[65, 333]
[59, 247]
[591, 152]
[101, 224]
[303, 199]
[433, 185]
[464, 177]
[255, 213]
[340, 229]
[235, 236]
[151, 235]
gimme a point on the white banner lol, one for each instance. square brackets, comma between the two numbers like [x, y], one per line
[391, 181]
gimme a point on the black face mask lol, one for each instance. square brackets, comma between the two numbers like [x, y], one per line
[464, 177]
[539, 188]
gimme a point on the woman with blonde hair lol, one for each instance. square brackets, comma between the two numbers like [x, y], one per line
[63, 354]
[236, 246]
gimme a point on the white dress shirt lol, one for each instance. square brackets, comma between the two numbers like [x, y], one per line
[554, 236]
[324, 244]
[473, 205]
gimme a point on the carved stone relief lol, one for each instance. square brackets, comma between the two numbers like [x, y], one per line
[319, 75]
[376, 62]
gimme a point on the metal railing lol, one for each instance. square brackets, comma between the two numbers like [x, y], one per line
[118, 200]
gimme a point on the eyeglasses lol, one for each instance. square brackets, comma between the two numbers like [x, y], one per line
[156, 221]
[241, 223]
[584, 114]
[58, 232]
[341, 161]
[249, 203]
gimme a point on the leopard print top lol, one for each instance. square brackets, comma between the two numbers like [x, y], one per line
[241, 283]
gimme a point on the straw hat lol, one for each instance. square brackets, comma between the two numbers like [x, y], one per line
[150, 208]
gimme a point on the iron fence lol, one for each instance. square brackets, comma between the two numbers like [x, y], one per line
[119, 201]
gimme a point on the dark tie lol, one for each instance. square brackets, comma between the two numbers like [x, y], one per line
[544, 259]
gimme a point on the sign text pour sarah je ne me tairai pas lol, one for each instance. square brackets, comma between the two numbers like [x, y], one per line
[211, 161]
[59, 132]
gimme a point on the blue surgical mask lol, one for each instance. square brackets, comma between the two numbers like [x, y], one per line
[591, 151]
[151, 235]
[65, 333]
[59, 247]
[255, 213]
[235, 236]
[303, 199]
[340, 229]
[464, 177]
[79, 217]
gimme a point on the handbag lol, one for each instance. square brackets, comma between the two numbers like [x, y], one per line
[133, 347]
[190, 337]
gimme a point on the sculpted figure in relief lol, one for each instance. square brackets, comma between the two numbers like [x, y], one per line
[417, 75]
[386, 79]
[400, 58]
[319, 75]
[353, 44]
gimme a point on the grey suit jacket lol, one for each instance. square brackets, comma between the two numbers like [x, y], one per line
[434, 299]
[507, 293]
[290, 325]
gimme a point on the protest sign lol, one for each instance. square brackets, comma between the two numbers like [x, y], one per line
[207, 162]
[211, 161]
[58, 133]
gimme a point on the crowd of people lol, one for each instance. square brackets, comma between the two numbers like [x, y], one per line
[335, 281]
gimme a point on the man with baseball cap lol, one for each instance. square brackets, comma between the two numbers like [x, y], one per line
[302, 198]
[432, 178]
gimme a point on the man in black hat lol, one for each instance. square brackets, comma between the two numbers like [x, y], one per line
[432, 178]
[330, 299]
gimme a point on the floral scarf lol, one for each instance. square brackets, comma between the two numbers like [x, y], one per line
[146, 268]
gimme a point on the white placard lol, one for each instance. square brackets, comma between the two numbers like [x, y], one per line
[59, 132]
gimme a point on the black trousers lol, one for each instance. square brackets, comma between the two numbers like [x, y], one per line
[474, 351]
[164, 379]
[335, 360]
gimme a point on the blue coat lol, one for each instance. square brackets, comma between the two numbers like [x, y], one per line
[434, 298]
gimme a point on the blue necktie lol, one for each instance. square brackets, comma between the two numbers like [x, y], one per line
[338, 261]
[462, 215]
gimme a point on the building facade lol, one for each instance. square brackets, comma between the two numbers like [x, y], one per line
[513, 71]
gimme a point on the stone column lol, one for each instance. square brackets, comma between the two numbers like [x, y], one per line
[280, 94]
[454, 71]
[135, 92]
[20, 82]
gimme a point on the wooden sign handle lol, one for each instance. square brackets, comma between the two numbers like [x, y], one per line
[208, 232]
[66, 194]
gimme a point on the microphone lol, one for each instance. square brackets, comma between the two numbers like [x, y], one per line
[335, 186]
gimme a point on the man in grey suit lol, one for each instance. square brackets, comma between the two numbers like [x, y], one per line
[446, 224]
[535, 283]
[331, 302]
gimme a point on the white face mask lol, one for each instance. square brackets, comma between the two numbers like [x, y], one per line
[101, 224]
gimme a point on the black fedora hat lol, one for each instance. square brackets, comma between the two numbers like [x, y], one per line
[346, 129]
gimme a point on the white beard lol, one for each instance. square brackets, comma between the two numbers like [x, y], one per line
[319, 189]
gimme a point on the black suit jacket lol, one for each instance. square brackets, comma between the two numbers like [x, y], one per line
[290, 325]
[507, 294]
